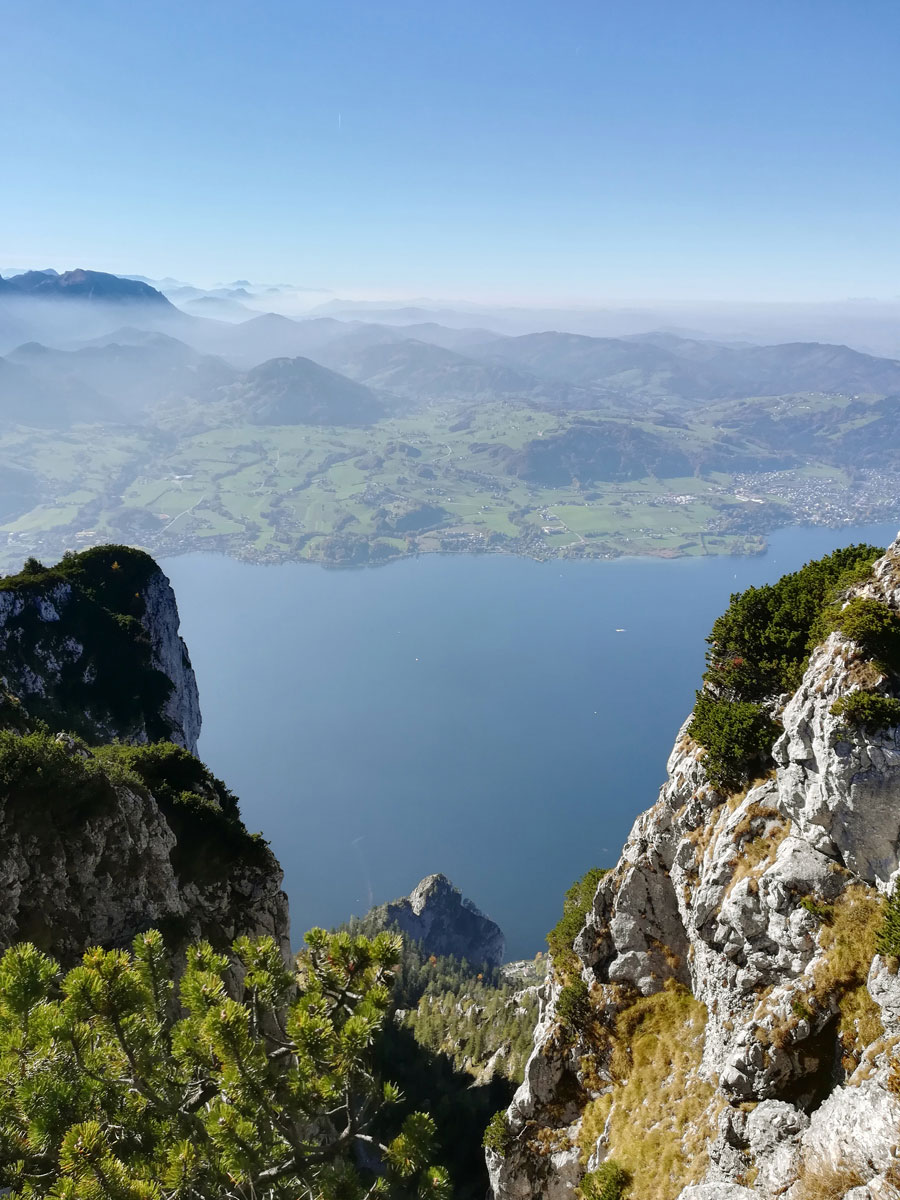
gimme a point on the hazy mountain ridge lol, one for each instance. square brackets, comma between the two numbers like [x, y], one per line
[83, 285]
[694, 371]
[516, 443]
[291, 391]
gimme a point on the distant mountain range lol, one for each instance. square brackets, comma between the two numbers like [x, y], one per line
[86, 346]
[656, 366]
[83, 285]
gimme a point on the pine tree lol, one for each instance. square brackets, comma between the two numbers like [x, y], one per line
[112, 1090]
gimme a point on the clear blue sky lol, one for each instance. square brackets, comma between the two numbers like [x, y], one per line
[514, 150]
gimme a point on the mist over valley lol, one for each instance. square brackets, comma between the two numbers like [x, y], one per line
[381, 432]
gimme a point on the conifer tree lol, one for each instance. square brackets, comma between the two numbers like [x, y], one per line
[262, 1089]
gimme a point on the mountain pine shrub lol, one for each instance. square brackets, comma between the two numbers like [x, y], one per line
[868, 710]
[608, 1182]
[758, 650]
[737, 735]
[257, 1090]
[574, 1005]
[576, 905]
[874, 627]
[497, 1136]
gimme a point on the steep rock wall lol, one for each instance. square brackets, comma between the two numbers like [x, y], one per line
[740, 1039]
[96, 865]
[91, 646]
[95, 843]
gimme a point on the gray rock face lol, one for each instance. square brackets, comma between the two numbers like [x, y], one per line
[170, 655]
[756, 905]
[437, 915]
[102, 876]
[48, 649]
[100, 864]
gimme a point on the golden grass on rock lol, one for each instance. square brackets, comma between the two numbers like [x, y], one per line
[659, 1110]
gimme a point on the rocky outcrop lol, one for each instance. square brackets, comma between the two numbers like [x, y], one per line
[443, 922]
[96, 861]
[739, 1038]
[169, 654]
[99, 842]
[92, 647]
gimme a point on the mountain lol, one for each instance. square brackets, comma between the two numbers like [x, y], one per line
[127, 379]
[421, 371]
[218, 307]
[617, 451]
[28, 398]
[442, 335]
[662, 366]
[101, 834]
[70, 309]
[297, 391]
[95, 286]
[268, 336]
[129, 374]
[407, 315]
[324, 339]
[601, 450]
[443, 922]
[723, 1012]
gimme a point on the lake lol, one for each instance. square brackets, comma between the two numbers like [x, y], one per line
[501, 720]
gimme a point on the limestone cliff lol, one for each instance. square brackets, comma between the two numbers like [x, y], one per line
[91, 646]
[727, 1030]
[108, 823]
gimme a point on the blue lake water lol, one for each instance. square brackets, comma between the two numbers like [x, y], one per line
[479, 716]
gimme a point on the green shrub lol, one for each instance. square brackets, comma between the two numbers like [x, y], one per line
[887, 938]
[113, 684]
[608, 1182]
[760, 644]
[868, 710]
[45, 782]
[498, 1136]
[576, 905]
[244, 1079]
[822, 912]
[737, 735]
[201, 810]
[574, 1005]
[759, 649]
[874, 627]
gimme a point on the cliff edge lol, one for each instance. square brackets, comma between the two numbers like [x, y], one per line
[724, 1028]
[109, 824]
[91, 646]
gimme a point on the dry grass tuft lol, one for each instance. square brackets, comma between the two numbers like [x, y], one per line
[754, 813]
[865, 673]
[658, 1109]
[824, 1181]
[757, 854]
[849, 947]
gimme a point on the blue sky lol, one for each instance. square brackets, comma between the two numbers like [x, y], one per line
[524, 152]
